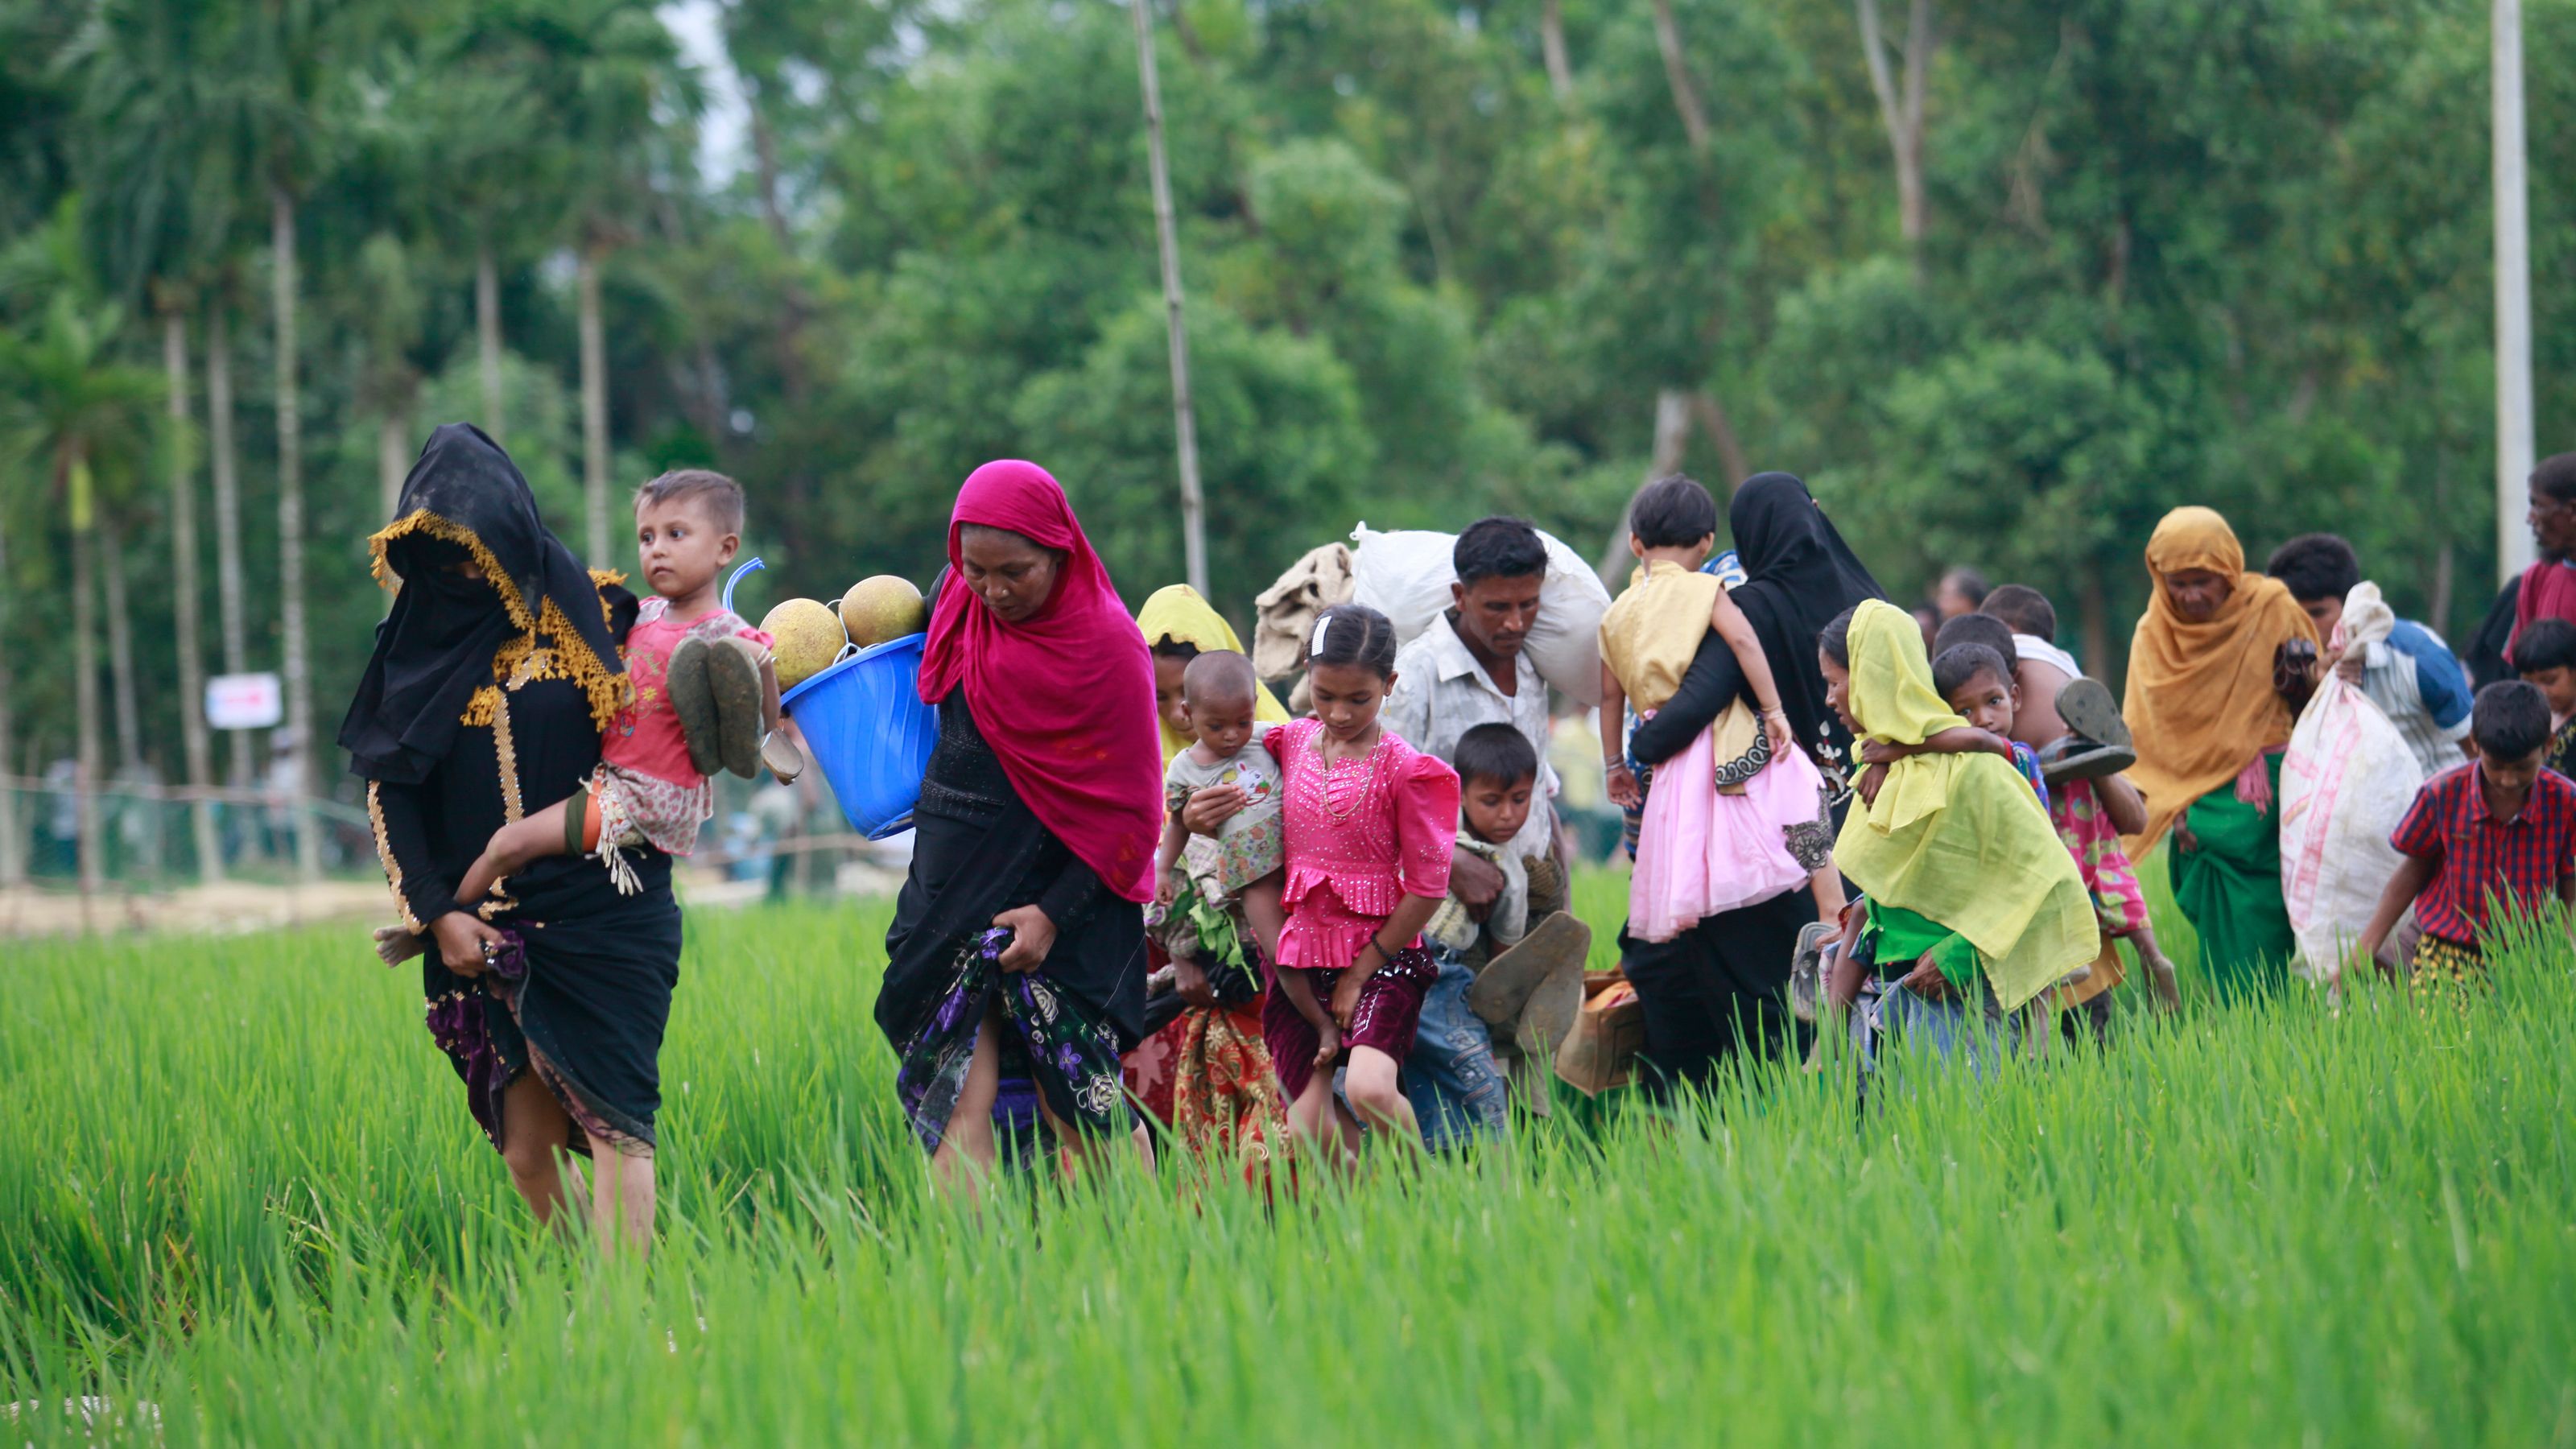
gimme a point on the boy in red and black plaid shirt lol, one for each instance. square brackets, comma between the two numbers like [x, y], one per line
[2500, 829]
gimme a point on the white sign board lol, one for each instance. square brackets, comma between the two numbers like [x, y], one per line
[244, 702]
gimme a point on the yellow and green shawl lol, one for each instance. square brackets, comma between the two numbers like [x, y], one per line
[1957, 838]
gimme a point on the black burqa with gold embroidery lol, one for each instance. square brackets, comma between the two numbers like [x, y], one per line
[484, 701]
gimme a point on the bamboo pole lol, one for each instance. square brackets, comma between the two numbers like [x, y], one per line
[1184, 418]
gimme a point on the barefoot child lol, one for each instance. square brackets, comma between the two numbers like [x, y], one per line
[705, 698]
[1740, 815]
[1977, 685]
[1370, 822]
[1510, 984]
[2544, 654]
[2500, 830]
[1244, 863]
[2090, 814]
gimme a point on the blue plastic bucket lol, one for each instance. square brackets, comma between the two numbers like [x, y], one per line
[869, 732]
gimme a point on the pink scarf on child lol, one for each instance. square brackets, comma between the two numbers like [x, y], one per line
[1066, 696]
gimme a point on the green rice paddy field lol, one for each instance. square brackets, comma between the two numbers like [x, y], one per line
[238, 1185]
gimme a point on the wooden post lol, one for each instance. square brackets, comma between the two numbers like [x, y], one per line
[1184, 419]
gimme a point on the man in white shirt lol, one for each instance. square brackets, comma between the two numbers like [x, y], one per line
[1469, 669]
[1466, 670]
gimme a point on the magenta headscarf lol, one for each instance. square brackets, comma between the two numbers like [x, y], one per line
[1065, 696]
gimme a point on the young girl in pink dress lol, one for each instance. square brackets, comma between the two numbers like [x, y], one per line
[1369, 822]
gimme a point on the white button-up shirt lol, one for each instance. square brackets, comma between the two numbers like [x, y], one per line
[1441, 692]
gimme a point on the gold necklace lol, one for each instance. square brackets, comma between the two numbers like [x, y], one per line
[1367, 786]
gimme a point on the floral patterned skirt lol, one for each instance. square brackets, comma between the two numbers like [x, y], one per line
[1225, 1094]
[1071, 1053]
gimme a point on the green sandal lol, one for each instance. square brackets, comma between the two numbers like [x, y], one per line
[733, 680]
[694, 702]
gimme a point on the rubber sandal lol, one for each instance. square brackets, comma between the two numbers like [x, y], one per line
[1504, 987]
[1547, 1018]
[2088, 709]
[685, 681]
[780, 754]
[2073, 757]
[733, 682]
[1806, 969]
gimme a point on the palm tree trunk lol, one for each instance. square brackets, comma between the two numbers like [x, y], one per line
[594, 412]
[74, 474]
[1184, 417]
[120, 651]
[183, 590]
[13, 857]
[225, 466]
[487, 335]
[290, 537]
[130, 776]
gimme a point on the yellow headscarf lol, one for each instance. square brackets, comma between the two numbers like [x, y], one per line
[1180, 615]
[1959, 839]
[2200, 695]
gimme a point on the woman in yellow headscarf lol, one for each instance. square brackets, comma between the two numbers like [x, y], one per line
[2210, 727]
[1971, 894]
[1179, 627]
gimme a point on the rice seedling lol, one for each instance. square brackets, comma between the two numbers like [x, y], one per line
[237, 1184]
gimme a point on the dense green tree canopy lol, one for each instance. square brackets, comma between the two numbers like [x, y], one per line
[2222, 251]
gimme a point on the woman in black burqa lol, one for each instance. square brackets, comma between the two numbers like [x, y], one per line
[1717, 989]
[492, 678]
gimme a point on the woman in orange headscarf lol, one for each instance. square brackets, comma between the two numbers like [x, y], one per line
[2210, 727]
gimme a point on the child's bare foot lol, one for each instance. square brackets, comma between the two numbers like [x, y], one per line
[2160, 972]
[396, 944]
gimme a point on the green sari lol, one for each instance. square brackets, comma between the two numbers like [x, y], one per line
[2230, 888]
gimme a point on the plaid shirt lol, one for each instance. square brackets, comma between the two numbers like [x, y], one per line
[2481, 857]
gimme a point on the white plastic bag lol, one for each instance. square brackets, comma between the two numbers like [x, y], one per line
[1406, 576]
[2345, 784]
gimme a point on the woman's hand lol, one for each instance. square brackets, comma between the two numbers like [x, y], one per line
[1032, 937]
[1775, 724]
[1192, 982]
[2184, 840]
[1210, 808]
[1870, 780]
[464, 942]
[1622, 783]
[1167, 885]
[1926, 980]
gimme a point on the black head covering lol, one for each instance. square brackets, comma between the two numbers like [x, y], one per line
[435, 649]
[1799, 575]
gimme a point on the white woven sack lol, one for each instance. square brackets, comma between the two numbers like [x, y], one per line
[1406, 575]
[2345, 784]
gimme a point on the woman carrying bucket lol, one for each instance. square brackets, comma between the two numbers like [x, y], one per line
[1020, 930]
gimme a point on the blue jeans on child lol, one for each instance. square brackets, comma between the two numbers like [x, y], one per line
[1456, 1087]
[1890, 1021]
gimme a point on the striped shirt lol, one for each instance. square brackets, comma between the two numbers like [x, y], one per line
[2418, 683]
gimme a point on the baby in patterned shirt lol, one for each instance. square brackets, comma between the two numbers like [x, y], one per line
[1245, 861]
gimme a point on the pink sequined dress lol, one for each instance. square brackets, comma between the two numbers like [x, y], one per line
[1361, 836]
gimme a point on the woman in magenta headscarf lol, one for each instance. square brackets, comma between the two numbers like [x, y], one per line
[1020, 931]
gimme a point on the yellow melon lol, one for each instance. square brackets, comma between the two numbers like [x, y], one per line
[809, 638]
[882, 608]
